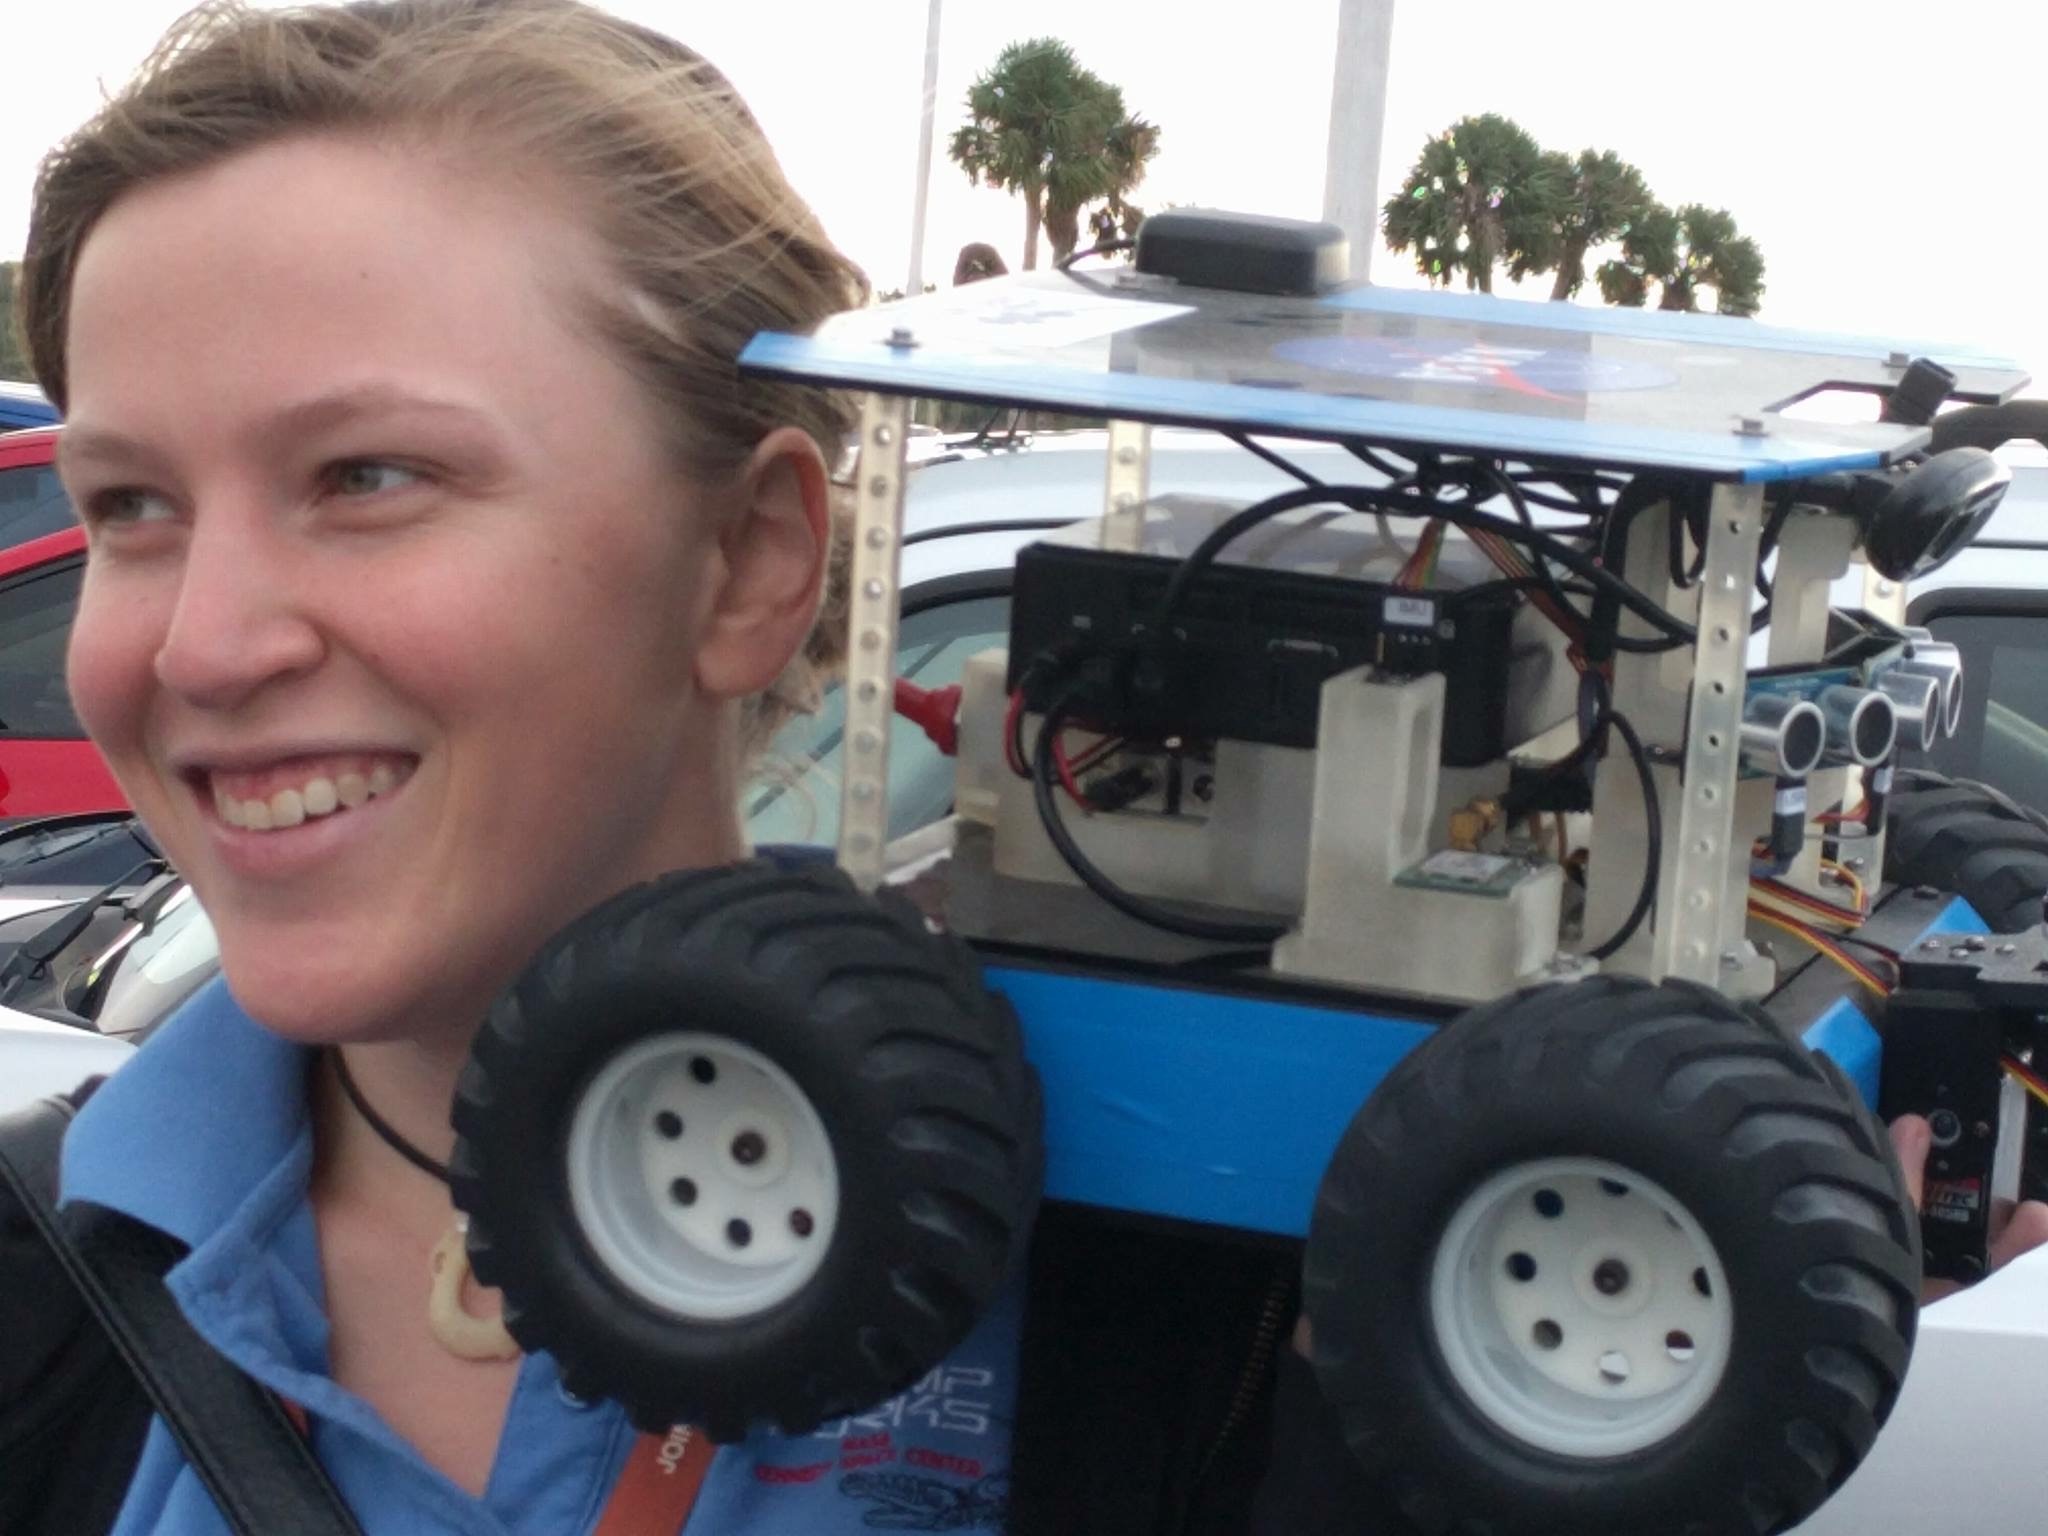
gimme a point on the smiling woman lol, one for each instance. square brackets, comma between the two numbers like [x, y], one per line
[443, 578]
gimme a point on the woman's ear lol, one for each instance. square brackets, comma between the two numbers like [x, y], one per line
[773, 548]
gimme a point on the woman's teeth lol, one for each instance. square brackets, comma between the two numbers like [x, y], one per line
[316, 797]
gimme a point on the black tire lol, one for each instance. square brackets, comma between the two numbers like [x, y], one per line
[1761, 1142]
[915, 1072]
[1958, 839]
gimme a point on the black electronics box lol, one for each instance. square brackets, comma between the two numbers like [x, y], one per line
[1250, 650]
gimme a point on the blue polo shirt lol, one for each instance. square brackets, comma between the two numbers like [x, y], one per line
[205, 1135]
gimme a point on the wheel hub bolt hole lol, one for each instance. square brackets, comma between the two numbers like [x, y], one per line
[1614, 1367]
[683, 1191]
[668, 1125]
[1547, 1334]
[801, 1224]
[1521, 1266]
[748, 1148]
[1549, 1204]
[1614, 1187]
[738, 1233]
[704, 1070]
[1700, 1283]
[1678, 1344]
[1610, 1277]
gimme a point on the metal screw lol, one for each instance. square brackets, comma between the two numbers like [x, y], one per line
[1960, 952]
[902, 336]
[1730, 960]
[1857, 864]
[1751, 426]
[1976, 943]
[884, 435]
[2008, 949]
[1931, 944]
[1610, 1277]
[1982, 1130]
[1127, 455]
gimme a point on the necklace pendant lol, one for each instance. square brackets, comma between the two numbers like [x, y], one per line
[455, 1328]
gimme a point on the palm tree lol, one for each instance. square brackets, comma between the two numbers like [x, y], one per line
[1481, 192]
[1042, 126]
[1603, 198]
[1696, 247]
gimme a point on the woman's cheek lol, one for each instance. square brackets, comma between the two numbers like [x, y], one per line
[109, 665]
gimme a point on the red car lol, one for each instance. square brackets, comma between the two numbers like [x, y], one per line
[47, 767]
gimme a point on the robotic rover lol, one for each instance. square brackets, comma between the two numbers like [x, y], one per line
[1474, 873]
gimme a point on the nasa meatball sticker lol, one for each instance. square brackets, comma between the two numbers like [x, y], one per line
[1549, 373]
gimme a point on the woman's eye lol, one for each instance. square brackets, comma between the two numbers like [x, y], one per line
[127, 504]
[368, 477]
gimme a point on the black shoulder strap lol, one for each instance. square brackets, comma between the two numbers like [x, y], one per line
[235, 1434]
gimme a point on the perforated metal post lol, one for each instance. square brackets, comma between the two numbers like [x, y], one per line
[1883, 597]
[1125, 486]
[871, 638]
[1694, 919]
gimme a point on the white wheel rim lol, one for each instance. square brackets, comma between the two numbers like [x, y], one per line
[1579, 1320]
[702, 1177]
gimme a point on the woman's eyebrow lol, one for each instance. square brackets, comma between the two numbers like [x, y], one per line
[82, 442]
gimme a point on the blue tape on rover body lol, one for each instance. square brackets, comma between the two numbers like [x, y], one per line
[1223, 1107]
[1205, 1106]
[1845, 1032]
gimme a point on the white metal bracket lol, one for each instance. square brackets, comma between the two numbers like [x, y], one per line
[1125, 486]
[871, 639]
[1694, 921]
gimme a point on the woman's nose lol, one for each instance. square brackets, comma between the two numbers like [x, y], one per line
[239, 623]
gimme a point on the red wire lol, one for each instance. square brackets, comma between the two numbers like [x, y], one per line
[1066, 772]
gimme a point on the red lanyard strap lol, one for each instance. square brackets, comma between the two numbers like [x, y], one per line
[659, 1487]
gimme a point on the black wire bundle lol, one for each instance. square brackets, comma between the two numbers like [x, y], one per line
[1414, 493]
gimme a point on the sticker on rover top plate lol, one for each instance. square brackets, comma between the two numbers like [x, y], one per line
[1465, 868]
[1415, 612]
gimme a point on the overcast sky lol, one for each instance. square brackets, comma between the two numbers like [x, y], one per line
[1886, 154]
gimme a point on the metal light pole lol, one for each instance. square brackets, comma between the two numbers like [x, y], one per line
[1358, 118]
[915, 285]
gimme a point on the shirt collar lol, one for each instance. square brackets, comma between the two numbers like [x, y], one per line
[180, 1135]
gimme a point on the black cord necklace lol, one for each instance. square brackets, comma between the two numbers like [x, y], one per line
[380, 1125]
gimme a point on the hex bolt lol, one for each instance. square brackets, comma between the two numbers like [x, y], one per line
[902, 336]
[1976, 943]
[1751, 426]
[2008, 949]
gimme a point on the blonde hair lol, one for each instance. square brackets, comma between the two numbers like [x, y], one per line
[708, 242]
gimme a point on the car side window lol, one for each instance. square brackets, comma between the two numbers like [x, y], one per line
[35, 626]
[796, 795]
[32, 503]
[2004, 736]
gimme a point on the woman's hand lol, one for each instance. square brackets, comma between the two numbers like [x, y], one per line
[2015, 1228]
